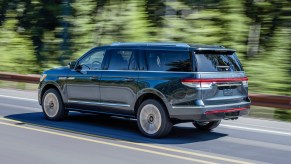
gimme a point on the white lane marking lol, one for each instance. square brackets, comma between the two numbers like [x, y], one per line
[20, 98]
[166, 148]
[255, 129]
[20, 107]
[260, 126]
[255, 143]
[111, 144]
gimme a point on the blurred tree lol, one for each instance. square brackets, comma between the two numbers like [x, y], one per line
[83, 26]
[40, 34]
[123, 21]
[66, 11]
[269, 70]
[16, 49]
[41, 20]
[175, 26]
[3, 9]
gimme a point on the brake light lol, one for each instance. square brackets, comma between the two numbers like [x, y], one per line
[196, 84]
[245, 83]
[207, 83]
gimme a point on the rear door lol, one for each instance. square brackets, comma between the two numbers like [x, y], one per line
[222, 77]
[118, 84]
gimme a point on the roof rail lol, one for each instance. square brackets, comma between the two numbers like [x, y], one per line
[149, 44]
[221, 49]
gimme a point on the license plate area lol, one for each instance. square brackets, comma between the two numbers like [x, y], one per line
[227, 92]
[232, 114]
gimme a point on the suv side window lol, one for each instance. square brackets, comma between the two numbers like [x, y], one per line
[161, 60]
[93, 61]
[123, 60]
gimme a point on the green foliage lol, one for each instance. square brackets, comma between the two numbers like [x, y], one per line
[37, 35]
[17, 54]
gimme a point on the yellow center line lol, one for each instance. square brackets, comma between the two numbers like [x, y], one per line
[151, 146]
[108, 143]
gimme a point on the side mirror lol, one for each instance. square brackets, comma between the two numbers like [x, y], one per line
[72, 64]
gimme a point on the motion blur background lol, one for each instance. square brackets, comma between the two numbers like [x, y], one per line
[39, 34]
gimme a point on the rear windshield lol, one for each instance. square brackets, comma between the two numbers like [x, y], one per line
[218, 63]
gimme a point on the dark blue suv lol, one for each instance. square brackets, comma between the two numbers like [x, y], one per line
[159, 84]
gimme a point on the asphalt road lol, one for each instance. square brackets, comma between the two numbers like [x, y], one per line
[26, 137]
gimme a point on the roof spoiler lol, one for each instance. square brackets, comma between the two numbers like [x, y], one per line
[214, 51]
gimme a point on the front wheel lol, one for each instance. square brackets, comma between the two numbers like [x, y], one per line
[152, 119]
[206, 126]
[53, 106]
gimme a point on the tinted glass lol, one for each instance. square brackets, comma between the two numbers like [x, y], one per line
[122, 60]
[93, 61]
[178, 61]
[218, 63]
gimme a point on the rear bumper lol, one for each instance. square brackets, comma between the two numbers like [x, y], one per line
[210, 113]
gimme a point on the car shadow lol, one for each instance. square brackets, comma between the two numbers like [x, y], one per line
[115, 128]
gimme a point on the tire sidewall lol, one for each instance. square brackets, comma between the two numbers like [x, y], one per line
[164, 116]
[211, 125]
[61, 111]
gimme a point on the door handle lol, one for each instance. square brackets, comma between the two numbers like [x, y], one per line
[128, 79]
[94, 77]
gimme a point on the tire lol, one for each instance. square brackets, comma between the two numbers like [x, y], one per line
[153, 120]
[53, 106]
[206, 126]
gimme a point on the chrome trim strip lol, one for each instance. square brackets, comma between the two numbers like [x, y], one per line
[226, 97]
[102, 112]
[98, 103]
[71, 78]
[62, 78]
[228, 85]
[210, 106]
[167, 71]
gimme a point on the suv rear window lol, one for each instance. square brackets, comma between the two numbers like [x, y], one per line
[218, 63]
[160, 60]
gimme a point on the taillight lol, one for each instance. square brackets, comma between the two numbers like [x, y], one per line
[207, 83]
[196, 83]
[245, 83]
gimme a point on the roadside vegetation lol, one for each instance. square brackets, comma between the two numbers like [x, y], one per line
[37, 35]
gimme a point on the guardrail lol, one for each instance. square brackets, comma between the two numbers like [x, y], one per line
[275, 101]
[265, 100]
[19, 77]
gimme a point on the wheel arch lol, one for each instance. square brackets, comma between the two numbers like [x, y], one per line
[151, 94]
[48, 86]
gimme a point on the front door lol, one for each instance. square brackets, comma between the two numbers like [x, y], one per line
[83, 82]
[118, 84]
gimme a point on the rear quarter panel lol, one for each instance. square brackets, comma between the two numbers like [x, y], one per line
[168, 86]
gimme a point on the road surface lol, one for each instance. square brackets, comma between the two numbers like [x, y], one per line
[26, 137]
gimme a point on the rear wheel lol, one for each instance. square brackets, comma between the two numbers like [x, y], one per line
[206, 126]
[53, 106]
[152, 119]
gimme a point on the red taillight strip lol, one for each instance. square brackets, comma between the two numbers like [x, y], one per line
[215, 80]
[225, 110]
